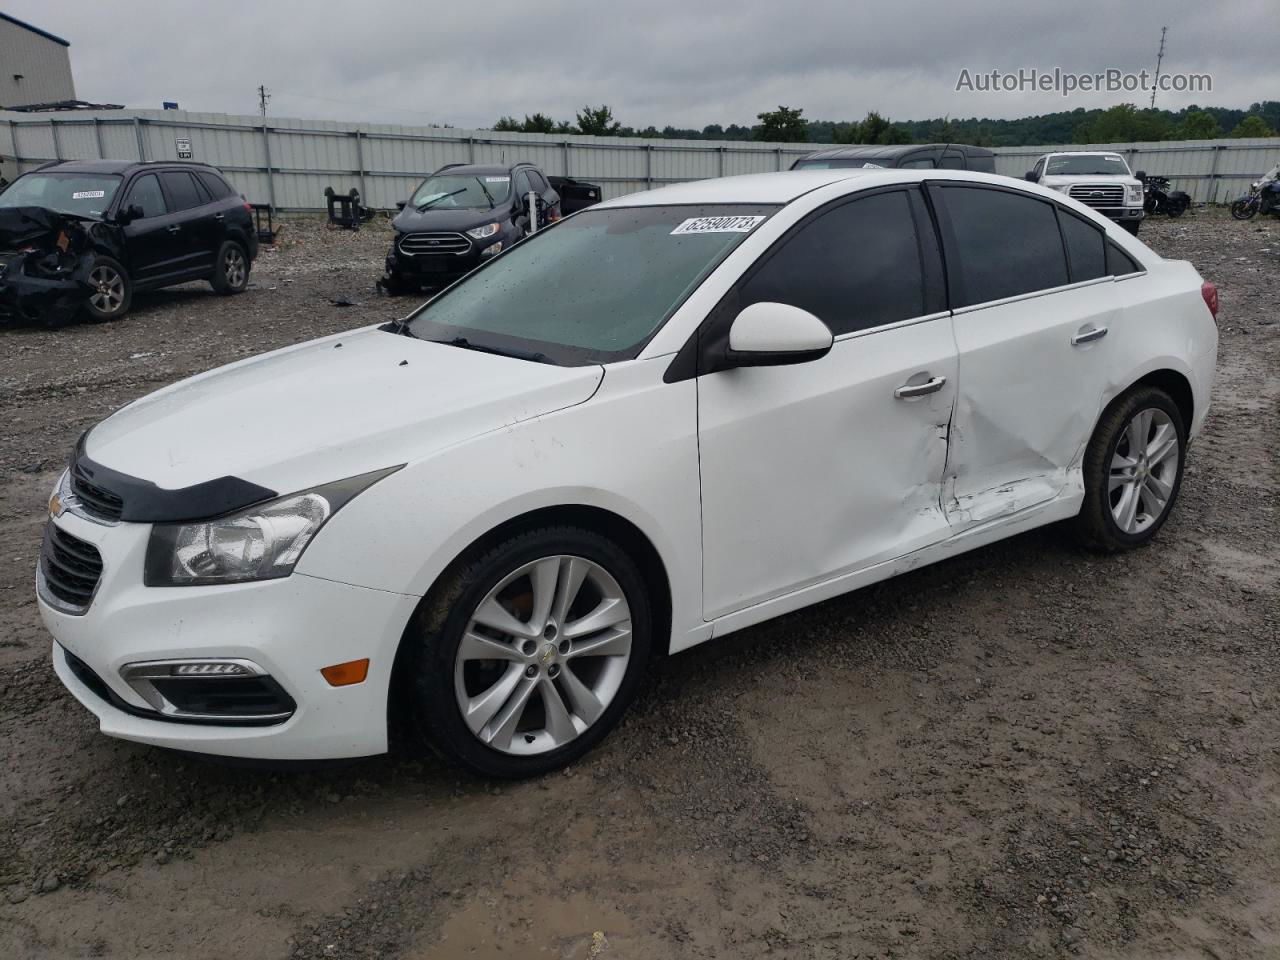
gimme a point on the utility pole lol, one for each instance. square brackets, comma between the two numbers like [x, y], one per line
[1159, 58]
[263, 97]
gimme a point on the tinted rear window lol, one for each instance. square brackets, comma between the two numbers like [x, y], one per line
[182, 190]
[1086, 247]
[217, 187]
[1008, 244]
[1120, 263]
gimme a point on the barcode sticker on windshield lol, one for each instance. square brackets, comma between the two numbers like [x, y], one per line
[496, 179]
[88, 195]
[718, 225]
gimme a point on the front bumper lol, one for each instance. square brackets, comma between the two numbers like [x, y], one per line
[438, 270]
[1121, 213]
[291, 628]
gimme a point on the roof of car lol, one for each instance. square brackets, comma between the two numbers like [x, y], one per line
[493, 169]
[897, 150]
[783, 187]
[117, 166]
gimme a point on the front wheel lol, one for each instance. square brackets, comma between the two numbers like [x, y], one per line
[1132, 471]
[1131, 226]
[1244, 208]
[110, 291]
[536, 656]
[230, 269]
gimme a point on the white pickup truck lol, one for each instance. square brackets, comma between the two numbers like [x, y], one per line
[1099, 180]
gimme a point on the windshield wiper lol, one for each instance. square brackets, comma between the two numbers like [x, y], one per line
[466, 344]
[486, 192]
[443, 196]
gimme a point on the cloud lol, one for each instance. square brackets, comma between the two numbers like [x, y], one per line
[686, 63]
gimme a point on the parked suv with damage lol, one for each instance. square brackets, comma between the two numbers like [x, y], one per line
[82, 236]
[1099, 180]
[459, 217]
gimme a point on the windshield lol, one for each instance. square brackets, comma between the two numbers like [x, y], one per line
[452, 192]
[591, 288]
[1087, 164]
[83, 194]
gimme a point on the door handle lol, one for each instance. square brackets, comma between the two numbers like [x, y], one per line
[174, 228]
[909, 391]
[219, 216]
[1088, 336]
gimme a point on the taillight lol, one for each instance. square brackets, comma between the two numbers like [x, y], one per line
[1210, 294]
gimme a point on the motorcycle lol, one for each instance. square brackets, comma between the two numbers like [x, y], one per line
[1158, 198]
[1263, 196]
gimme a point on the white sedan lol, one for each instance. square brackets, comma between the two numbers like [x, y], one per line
[661, 420]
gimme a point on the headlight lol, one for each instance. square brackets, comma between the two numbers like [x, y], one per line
[261, 542]
[1133, 192]
[482, 233]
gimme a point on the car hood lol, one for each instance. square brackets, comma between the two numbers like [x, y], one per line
[1057, 180]
[328, 409]
[410, 220]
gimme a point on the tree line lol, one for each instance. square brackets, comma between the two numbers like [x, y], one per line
[1122, 123]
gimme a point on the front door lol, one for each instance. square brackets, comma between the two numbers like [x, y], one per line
[818, 469]
[153, 249]
[1031, 329]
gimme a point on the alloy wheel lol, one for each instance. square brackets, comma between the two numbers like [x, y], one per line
[233, 267]
[108, 289]
[1144, 469]
[543, 655]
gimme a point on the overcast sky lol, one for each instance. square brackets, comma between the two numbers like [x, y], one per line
[683, 62]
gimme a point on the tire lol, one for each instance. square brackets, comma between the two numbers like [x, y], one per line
[1131, 226]
[1102, 523]
[1244, 209]
[111, 292]
[515, 738]
[230, 269]
[1177, 209]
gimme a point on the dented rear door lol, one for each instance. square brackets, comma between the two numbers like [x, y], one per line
[1034, 351]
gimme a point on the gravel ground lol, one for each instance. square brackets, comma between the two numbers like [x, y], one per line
[1024, 751]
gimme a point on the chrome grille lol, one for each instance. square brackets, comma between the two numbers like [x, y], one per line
[69, 570]
[97, 502]
[1098, 194]
[414, 244]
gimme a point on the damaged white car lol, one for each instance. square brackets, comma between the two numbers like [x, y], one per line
[660, 420]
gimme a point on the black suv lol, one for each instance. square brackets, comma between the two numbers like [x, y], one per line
[83, 235]
[927, 156]
[460, 216]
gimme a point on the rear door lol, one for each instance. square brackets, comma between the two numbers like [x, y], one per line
[199, 232]
[1031, 328]
[819, 469]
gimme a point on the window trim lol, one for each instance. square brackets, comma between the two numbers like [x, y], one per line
[694, 359]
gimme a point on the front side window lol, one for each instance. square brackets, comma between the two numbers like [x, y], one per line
[146, 195]
[80, 194]
[1006, 244]
[592, 288]
[1087, 165]
[855, 266]
[459, 191]
[917, 163]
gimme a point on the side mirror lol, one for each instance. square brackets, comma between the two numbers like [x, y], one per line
[401, 204]
[1030, 177]
[771, 334]
[1141, 175]
[129, 214]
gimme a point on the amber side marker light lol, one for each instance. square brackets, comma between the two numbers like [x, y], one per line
[345, 674]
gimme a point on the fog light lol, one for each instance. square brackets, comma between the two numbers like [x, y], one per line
[210, 669]
[491, 250]
[346, 674]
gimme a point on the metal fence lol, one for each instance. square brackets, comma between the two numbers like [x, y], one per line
[288, 163]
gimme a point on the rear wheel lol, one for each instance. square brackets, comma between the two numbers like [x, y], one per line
[1132, 471]
[110, 291]
[536, 656]
[230, 269]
